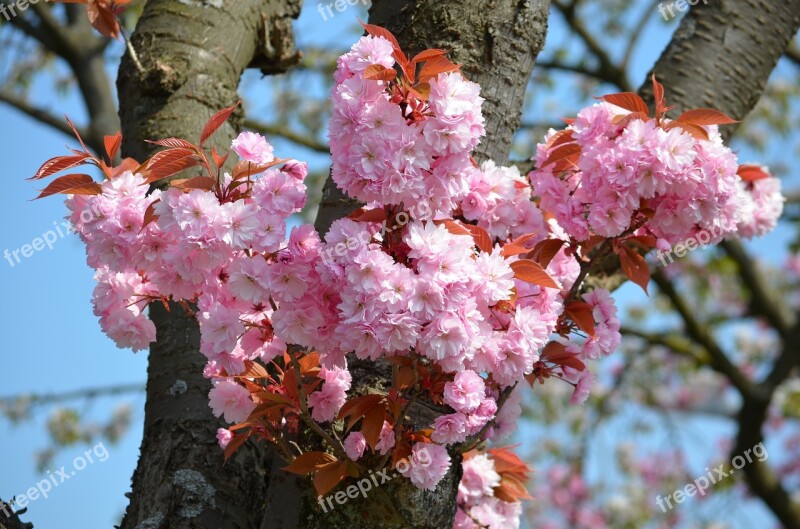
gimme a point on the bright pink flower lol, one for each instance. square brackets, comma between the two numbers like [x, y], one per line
[232, 400]
[224, 437]
[466, 392]
[253, 147]
[354, 445]
[426, 466]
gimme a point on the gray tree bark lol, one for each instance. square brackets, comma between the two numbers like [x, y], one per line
[194, 53]
[497, 43]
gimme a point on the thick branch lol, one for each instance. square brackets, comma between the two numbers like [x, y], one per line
[762, 301]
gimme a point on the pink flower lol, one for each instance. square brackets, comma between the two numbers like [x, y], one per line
[327, 402]
[386, 440]
[449, 429]
[479, 479]
[224, 437]
[354, 445]
[582, 389]
[232, 400]
[253, 148]
[466, 392]
[426, 466]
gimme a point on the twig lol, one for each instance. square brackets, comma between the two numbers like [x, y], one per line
[304, 413]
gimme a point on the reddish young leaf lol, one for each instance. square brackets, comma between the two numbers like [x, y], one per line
[511, 249]
[254, 370]
[245, 169]
[368, 215]
[435, 66]
[552, 349]
[511, 489]
[408, 69]
[112, 144]
[378, 72]
[358, 406]
[73, 184]
[628, 101]
[170, 162]
[422, 91]
[562, 152]
[377, 31]
[309, 462]
[634, 266]
[330, 475]
[58, 164]
[219, 161]
[645, 242]
[507, 462]
[752, 173]
[372, 424]
[428, 55]
[581, 313]
[236, 443]
[75, 131]
[198, 182]
[216, 122]
[174, 142]
[150, 214]
[560, 138]
[545, 251]
[482, 238]
[456, 228]
[706, 116]
[658, 95]
[532, 272]
[309, 364]
[693, 130]
[103, 19]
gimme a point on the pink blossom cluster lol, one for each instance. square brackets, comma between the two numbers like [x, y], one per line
[199, 248]
[762, 205]
[689, 183]
[478, 508]
[500, 201]
[110, 225]
[435, 296]
[380, 155]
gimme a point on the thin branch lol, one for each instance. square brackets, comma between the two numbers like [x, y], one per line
[40, 114]
[609, 71]
[305, 415]
[718, 359]
[279, 130]
[637, 32]
[43, 399]
[762, 301]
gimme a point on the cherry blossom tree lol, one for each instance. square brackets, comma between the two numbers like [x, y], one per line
[582, 247]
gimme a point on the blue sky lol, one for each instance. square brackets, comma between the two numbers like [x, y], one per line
[50, 340]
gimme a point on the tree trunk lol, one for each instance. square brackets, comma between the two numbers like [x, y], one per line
[723, 53]
[721, 57]
[194, 53]
[497, 43]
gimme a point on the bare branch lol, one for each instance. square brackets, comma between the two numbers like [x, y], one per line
[609, 71]
[41, 115]
[284, 132]
[762, 301]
